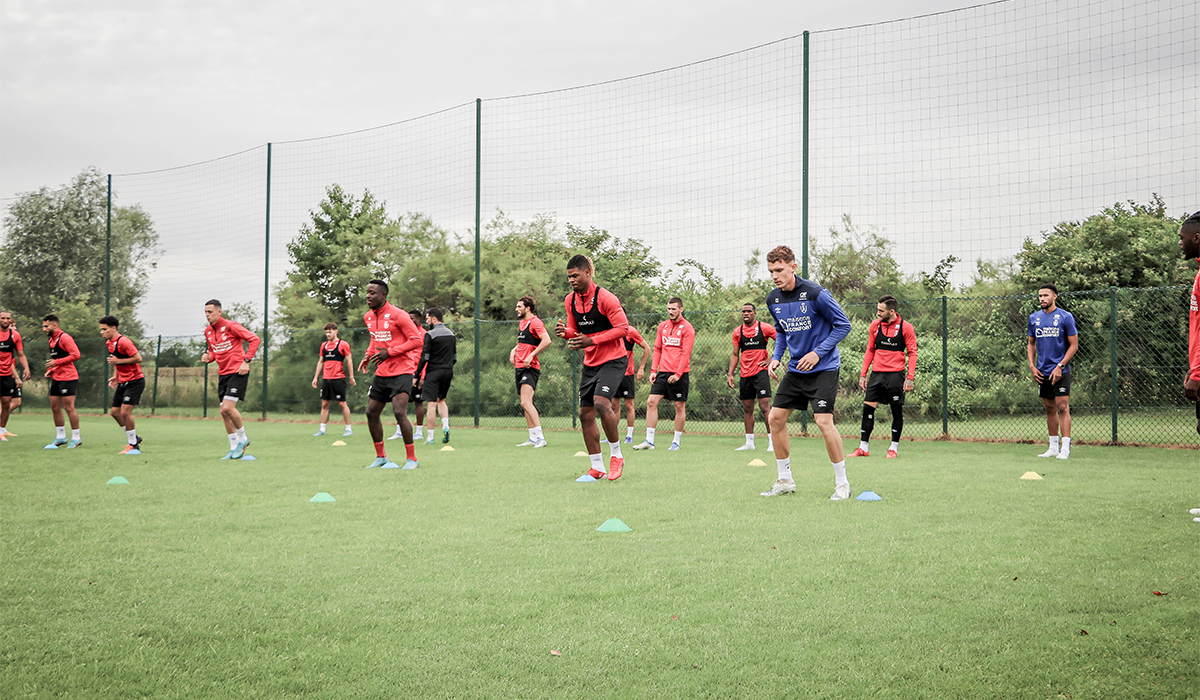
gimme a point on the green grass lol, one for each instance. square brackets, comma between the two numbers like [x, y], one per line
[218, 579]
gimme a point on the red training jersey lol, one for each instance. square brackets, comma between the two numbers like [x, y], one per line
[393, 329]
[224, 339]
[1194, 332]
[64, 352]
[749, 339]
[890, 360]
[529, 337]
[601, 310]
[333, 355]
[124, 348]
[10, 347]
[673, 346]
[632, 340]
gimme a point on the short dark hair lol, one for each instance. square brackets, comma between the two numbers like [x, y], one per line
[50, 317]
[752, 306]
[675, 300]
[435, 312]
[889, 301]
[213, 302]
[414, 311]
[331, 326]
[1193, 220]
[1049, 286]
[781, 253]
[579, 262]
[379, 283]
[529, 303]
[110, 321]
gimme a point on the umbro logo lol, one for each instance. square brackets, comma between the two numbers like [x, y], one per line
[762, 391]
[679, 396]
[895, 398]
[233, 390]
[822, 404]
[1062, 390]
[603, 388]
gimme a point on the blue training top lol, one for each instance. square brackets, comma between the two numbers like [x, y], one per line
[808, 320]
[1050, 332]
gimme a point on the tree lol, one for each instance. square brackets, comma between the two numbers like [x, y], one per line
[55, 250]
[857, 265]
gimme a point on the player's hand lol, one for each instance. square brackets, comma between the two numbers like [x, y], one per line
[653, 375]
[580, 342]
[245, 368]
[729, 380]
[641, 373]
[1191, 389]
[773, 369]
[205, 359]
[380, 355]
[1056, 375]
[560, 329]
[111, 359]
[1037, 375]
[672, 379]
[113, 382]
[18, 379]
[909, 385]
[352, 382]
[862, 383]
[314, 384]
[808, 362]
[51, 363]
[762, 364]
[27, 375]
[362, 365]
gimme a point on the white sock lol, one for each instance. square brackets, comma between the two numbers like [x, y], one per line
[132, 435]
[629, 432]
[241, 433]
[1066, 444]
[74, 434]
[532, 434]
[650, 435]
[349, 428]
[233, 440]
[322, 428]
[445, 424]
[770, 443]
[864, 446]
[895, 447]
[3, 430]
[750, 439]
[1054, 442]
[60, 431]
[598, 462]
[839, 474]
[614, 449]
[537, 432]
[785, 468]
[417, 432]
[678, 437]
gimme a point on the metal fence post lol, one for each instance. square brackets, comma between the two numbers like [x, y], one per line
[804, 168]
[574, 389]
[478, 214]
[107, 274]
[204, 409]
[266, 344]
[1112, 359]
[154, 396]
[945, 370]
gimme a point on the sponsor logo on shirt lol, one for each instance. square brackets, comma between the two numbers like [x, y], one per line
[224, 346]
[382, 336]
[1052, 332]
[798, 323]
[675, 342]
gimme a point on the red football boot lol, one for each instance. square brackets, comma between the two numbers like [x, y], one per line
[860, 452]
[615, 467]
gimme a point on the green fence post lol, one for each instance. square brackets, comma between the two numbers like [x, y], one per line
[1112, 359]
[574, 389]
[154, 396]
[266, 290]
[204, 409]
[478, 191]
[804, 168]
[107, 274]
[945, 371]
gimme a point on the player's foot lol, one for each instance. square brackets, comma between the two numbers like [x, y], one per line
[445, 436]
[674, 447]
[139, 442]
[239, 451]
[743, 448]
[528, 443]
[12, 434]
[3, 438]
[410, 464]
[1195, 511]
[541, 442]
[319, 433]
[379, 462]
[615, 465]
[644, 445]
[429, 441]
[132, 452]
[859, 452]
[399, 436]
[1064, 454]
[74, 443]
[780, 487]
[59, 442]
[349, 433]
[1049, 453]
[596, 474]
[628, 440]
[891, 454]
[127, 450]
[228, 455]
[840, 492]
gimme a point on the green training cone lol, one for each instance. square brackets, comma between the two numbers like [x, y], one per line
[322, 498]
[118, 480]
[614, 525]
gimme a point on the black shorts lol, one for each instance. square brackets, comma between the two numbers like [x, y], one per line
[436, 384]
[796, 390]
[333, 390]
[676, 392]
[232, 387]
[59, 389]
[8, 387]
[886, 387]
[129, 393]
[528, 375]
[602, 380]
[756, 387]
[628, 388]
[384, 389]
[1046, 390]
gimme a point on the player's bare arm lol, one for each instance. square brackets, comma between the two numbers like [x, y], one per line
[773, 368]
[1032, 352]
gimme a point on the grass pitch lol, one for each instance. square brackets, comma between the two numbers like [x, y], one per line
[218, 579]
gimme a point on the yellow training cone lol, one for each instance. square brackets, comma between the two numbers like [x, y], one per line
[581, 453]
[1031, 475]
[447, 448]
[339, 443]
[756, 463]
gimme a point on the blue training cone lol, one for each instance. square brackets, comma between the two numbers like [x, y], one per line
[585, 479]
[869, 496]
[390, 465]
[249, 458]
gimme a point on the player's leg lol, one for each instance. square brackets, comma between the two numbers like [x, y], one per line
[444, 413]
[533, 420]
[764, 407]
[1062, 409]
[419, 412]
[651, 422]
[73, 419]
[868, 426]
[680, 420]
[324, 417]
[124, 416]
[591, 441]
[777, 423]
[400, 411]
[374, 411]
[630, 419]
[833, 447]
[897, 428]
[748, 424]
[56, 412]
[5, 409]
[610, 421]
[347, 417]
[1051, 426]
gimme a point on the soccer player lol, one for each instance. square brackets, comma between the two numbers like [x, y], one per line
[127, 379]
[890, 340]
[1189, 243]
[435, 371]
[11, 351]
[532, 339]
[1053, 341]
[223, 345]
[628, 390]
[414, 396]
[394, 347]
[64, 382]
[809, 324]
[334, 365]
[750, 353]
[669, 368]
[596, 324]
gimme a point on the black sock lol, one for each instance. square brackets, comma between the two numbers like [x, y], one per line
[897, 421]
[868, 423]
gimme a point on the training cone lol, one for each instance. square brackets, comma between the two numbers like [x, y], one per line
[614, 525]
[322, 498]
[249, 458]
[756, 463]
[118, 480]
[390, 465]
[584, 479]
[869, 496]
[580, 453]
[447, 448]
[1032, 476]
[339, 443]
